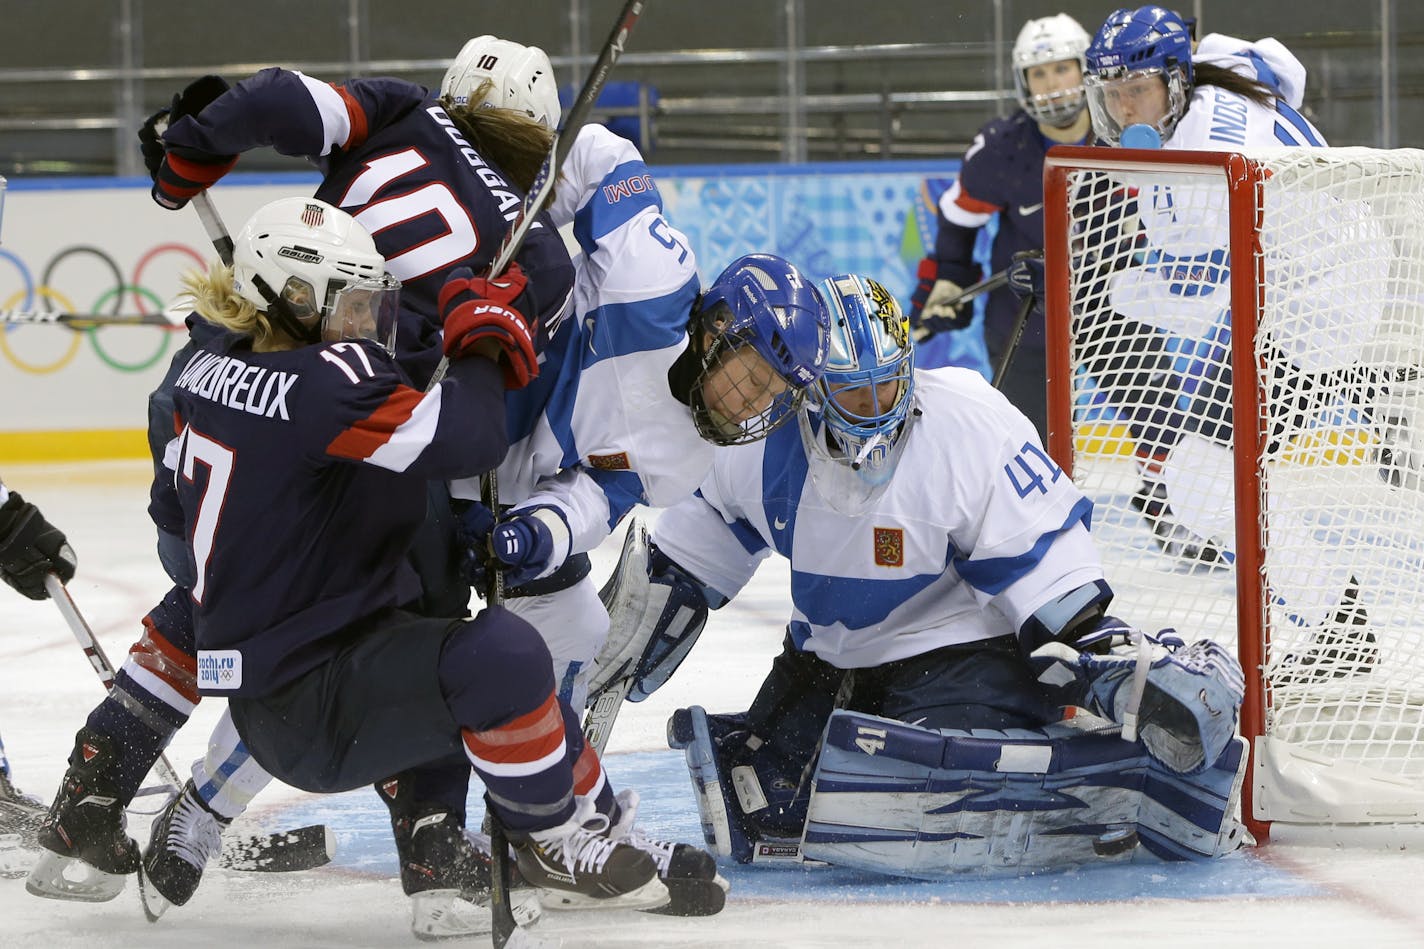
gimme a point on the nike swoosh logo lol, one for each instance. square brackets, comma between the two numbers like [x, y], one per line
[779, 523]
[1026, 209]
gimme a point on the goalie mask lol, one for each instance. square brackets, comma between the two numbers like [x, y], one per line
[760, 332]
[1052, 39]
[855, 431]
[521, 78]
[1139, 72]
[316, 273]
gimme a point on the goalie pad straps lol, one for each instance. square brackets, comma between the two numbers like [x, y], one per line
[656, 611]
[896, 798]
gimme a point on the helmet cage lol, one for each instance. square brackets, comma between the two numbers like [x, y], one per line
[870, 349]
[751, 398]
[1051, 39]
[761, 333]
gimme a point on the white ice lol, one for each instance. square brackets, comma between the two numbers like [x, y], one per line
[1330, 897]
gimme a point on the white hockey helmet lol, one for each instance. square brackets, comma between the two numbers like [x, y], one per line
[316, 272]
[521, 76]
[1050, 39]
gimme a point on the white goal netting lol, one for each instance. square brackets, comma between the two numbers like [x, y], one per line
[1244, 387]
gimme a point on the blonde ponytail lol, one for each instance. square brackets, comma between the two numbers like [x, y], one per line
[214, 298]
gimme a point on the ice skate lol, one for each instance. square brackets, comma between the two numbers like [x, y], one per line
[88, 850]
[443, 870]
[20, 814]
[1171, 536]
[184, 837]
[1341, 647]
[576, 866]
[690, 873]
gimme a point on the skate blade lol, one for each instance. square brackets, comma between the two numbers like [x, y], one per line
[650, 895]
[57, 877]
[694, 897]
[444, 914]
[15, 860]
[155, 904]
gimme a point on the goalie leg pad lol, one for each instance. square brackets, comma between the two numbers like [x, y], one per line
[910, 801]
[748, 806]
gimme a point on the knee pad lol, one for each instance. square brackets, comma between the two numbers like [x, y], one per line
[748, 797]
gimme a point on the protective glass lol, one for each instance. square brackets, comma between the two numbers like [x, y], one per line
[1136, 97]
[363, 309]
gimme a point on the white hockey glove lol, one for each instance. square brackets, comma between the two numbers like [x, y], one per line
[1180, 700]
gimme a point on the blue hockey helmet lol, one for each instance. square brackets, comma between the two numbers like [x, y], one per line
[865, 395]
[1132, 52]
[763, 344]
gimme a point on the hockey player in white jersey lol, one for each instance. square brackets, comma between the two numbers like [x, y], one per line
[932, 634]
[1226, 94]
[648, 374]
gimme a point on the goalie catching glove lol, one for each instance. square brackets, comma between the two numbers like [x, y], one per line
[1181, 699]
[480, 308]
[180, 174]
[656, 611]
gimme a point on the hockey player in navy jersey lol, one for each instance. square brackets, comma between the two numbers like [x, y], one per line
[299, 479]
[1002, 174]
[441, 204]
[921, 623]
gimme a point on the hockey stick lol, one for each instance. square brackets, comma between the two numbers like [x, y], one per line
[987, 285]
[1025, 308]
[299, 849]
[84, 321]
[504, 930]
[563, 141]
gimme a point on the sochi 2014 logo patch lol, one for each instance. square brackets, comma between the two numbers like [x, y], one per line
[889, 547]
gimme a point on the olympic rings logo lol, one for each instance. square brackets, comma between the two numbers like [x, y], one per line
[47, 295]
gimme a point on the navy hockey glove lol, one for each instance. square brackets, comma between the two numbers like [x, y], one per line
[30, 548]
[1027, 277]
[180, 174]
[934, 306]
[531, 544]
[476, 308]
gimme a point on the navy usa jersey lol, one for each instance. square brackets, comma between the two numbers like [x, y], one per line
[393, 159]
[298, 479]
[1002, 174]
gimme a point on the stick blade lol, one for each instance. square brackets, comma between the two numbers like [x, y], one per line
[301, 848]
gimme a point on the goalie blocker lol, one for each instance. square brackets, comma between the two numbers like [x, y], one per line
[896, 798]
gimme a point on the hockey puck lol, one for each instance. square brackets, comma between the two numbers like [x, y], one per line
[1116, 841]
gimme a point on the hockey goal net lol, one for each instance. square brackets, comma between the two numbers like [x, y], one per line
[1236, 379]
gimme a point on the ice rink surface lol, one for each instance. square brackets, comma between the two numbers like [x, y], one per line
[1273, 896]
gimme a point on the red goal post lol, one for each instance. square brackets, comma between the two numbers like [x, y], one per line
[1236, 370]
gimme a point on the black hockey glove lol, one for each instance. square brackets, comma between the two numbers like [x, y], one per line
[1027, 277]
[31, 547]
[194, 98]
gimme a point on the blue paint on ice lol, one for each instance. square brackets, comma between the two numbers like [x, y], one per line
[364, 845]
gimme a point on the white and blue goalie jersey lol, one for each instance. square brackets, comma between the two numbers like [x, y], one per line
[599, 431]
[976, 530]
